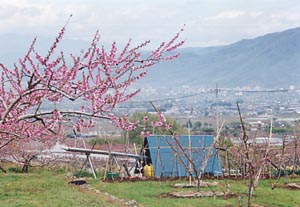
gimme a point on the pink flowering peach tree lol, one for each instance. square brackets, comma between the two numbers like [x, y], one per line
[97, 79]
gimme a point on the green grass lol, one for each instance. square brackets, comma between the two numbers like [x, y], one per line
[149, 193]
[43, 188]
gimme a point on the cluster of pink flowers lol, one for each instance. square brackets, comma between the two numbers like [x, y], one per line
[161, 123]
[145, 134]
[98, 78]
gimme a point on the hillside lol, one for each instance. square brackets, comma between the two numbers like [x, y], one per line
[270, 61]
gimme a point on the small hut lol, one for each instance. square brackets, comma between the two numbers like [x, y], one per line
[169, 157]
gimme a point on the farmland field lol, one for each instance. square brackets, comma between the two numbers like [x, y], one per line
[50, 188]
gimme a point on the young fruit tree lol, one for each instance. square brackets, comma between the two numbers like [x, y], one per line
[184, 154]
[255, 157]
[97, 79]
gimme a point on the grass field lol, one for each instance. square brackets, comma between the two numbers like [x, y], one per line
[44, 188]
[149, 193]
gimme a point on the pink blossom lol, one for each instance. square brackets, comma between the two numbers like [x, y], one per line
[97, 79]
[146, 118]
[168, 126]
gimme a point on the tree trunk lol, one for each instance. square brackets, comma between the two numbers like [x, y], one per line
[198, 183]
[2, 169]
[250, 193]
[25, 166]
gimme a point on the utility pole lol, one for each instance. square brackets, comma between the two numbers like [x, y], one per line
[190, 147]
[217, 108]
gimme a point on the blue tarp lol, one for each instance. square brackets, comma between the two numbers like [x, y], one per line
[170, 161]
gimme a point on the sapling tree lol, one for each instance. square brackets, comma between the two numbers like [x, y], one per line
[24, 151]
[255, 157]
[96, 78]
[185, 155]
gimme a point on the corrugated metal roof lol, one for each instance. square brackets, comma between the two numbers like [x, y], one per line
[168, 159]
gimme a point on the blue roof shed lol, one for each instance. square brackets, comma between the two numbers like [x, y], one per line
[168, 160]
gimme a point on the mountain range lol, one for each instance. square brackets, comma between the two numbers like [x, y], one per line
[268, 61]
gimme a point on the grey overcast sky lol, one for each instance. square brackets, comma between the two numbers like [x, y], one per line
[208, 22]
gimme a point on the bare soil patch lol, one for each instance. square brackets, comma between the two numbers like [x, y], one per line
[195, 185]
[192, 194]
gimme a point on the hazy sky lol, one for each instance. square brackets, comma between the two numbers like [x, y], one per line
[208, 22]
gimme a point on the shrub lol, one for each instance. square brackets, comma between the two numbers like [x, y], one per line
[83, 173]
[15, 169]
